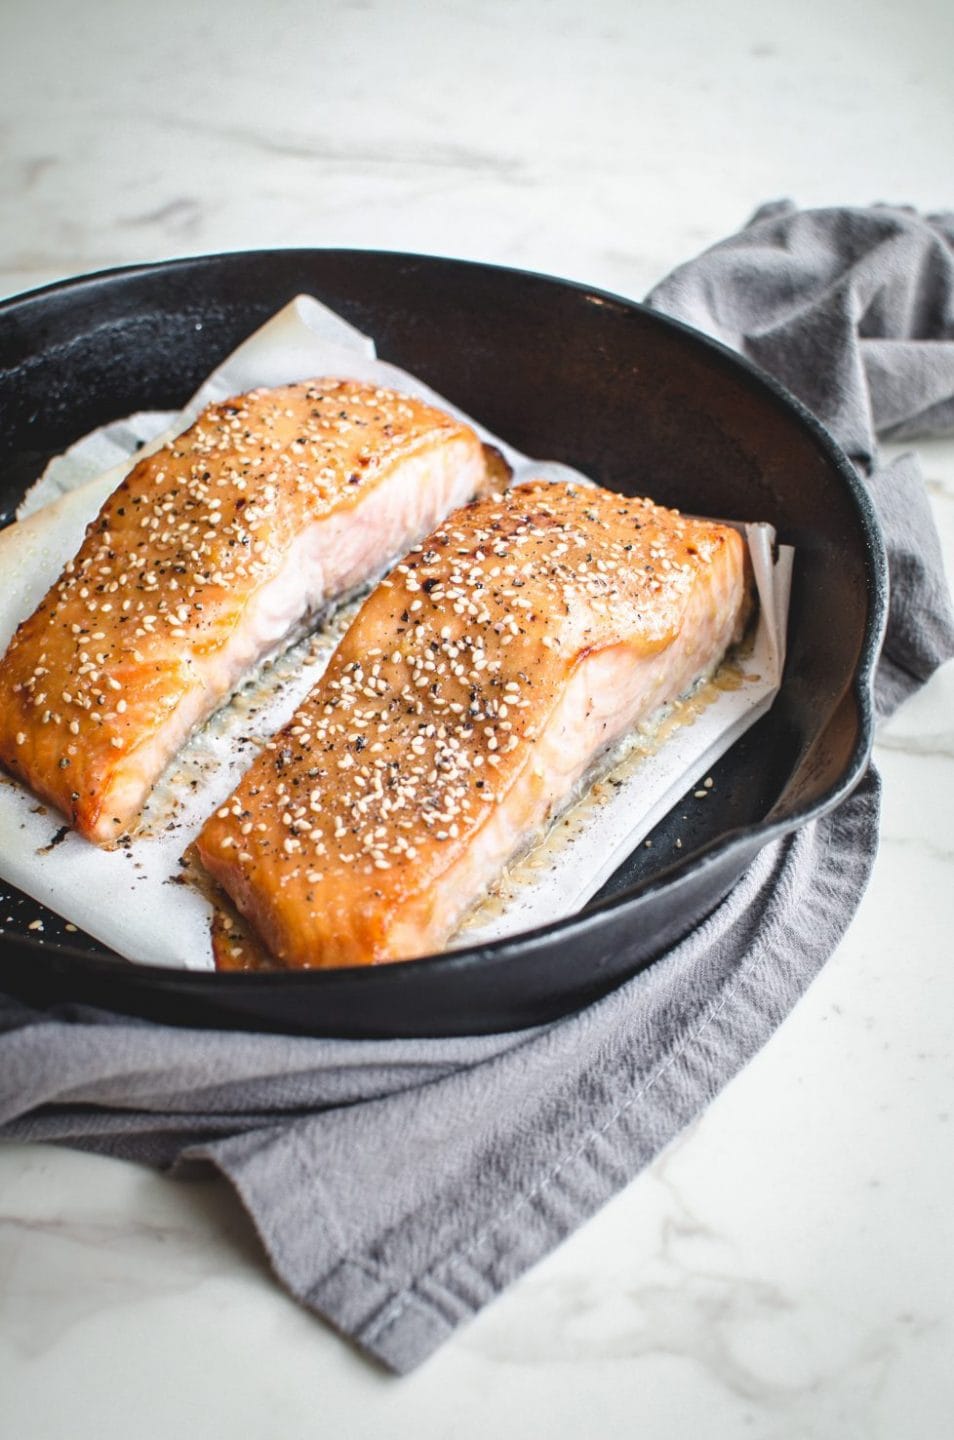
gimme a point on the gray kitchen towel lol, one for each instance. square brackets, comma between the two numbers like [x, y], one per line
[853, 310]
[399, 1185]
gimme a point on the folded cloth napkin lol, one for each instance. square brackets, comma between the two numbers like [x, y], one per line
[399, 1185]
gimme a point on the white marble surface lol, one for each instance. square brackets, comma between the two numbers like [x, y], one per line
[740, 1287]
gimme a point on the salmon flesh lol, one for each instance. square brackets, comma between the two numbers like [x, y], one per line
[210, 556]
[473, 691]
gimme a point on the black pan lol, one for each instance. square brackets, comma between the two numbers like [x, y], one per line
[641, 404]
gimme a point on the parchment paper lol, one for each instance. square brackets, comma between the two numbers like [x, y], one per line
[130, 898]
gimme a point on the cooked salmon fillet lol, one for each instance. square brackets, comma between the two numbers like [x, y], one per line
[207, 558]
[473, 691]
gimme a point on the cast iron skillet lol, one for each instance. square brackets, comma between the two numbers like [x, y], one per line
[640, 403]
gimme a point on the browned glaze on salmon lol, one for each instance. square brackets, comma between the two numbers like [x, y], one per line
[234, 947]
[208, 557]
[472, 692]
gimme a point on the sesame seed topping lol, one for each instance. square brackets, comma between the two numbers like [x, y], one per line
[192, 531]
[436, 698]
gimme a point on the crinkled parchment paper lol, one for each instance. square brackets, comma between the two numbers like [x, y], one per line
[132, 898]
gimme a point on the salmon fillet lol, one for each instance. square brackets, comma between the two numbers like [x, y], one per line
[473, 691]
[209, 556]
